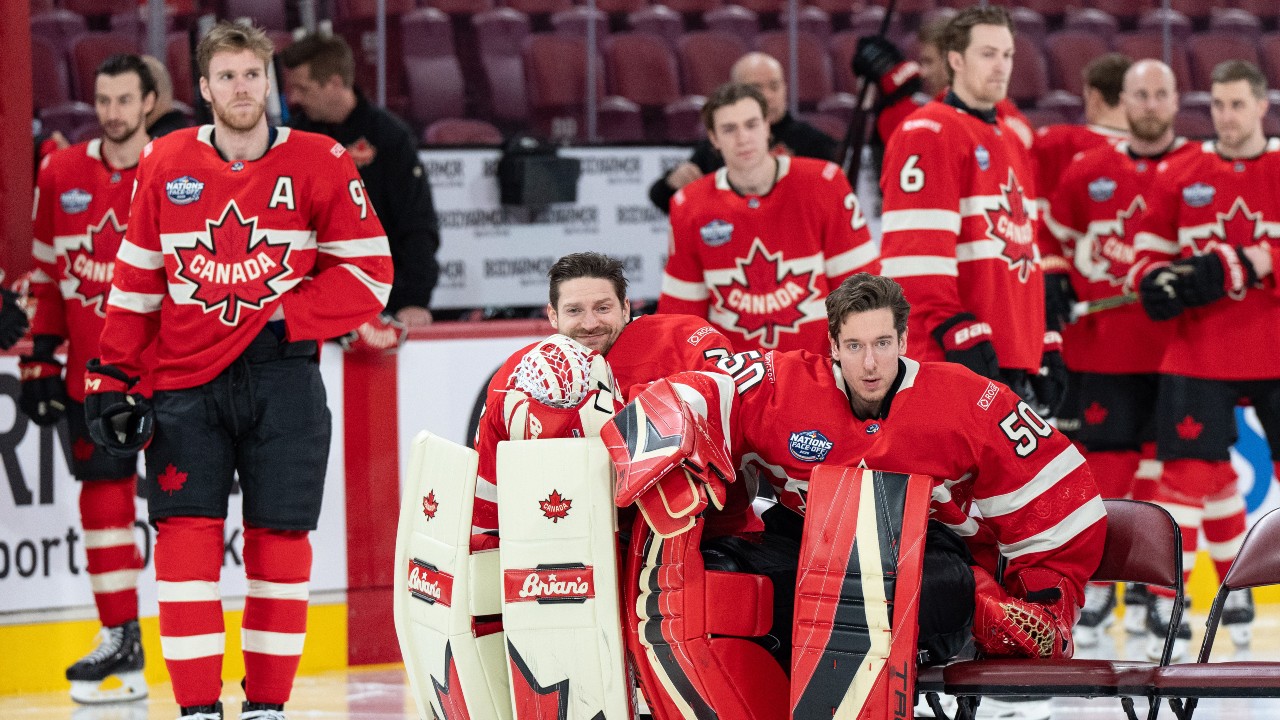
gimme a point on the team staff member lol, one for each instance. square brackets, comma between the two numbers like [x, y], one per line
[319, 77]
[1205, 264]
[82, 210]
[756, 246]
[247, 245]
[959, 221]
[787, 135]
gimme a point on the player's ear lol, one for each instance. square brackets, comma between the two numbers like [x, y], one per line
[204, 90]
[835, 349]
[902, 343]
[551, 316]
[626, 310]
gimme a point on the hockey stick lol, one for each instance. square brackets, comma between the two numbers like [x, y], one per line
[1089, 307]
[854, 138]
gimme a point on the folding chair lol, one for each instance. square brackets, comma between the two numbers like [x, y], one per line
[1143, 545]
[1257, 564]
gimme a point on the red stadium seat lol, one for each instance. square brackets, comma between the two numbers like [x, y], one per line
[705, 59]
[1266, 10]
[842, 46]
[460, 7]
[684, 119]
[619, 121]
[266, 14]
[838, 105]
[177, 59]
[49, 85]
[1143, 44]
[1197, 10]
[59, 27]
[1044, 117]
[39, 6]
[1068, 52]
[1028, 22]
[642, 69]
[1030, 78]
[95, 8]
[87, 53]
[1052, 10]
[368, 9]
[814, 74]
[574, 21]
[832, 125]
[500, 36]
[771, 8]
[1209, 49]
[68, 117]
[1194, 122]
[1269, 49]
[658, 20]
[621, 7]
[434, 76]
[815, 21]
[1092, 20]
[460, 131]
[910, 7]
[1064, 103]
[734, 20]
[1231, 20]
[1153, 21]
[555, 73]
[867, 22]
[692, 7]
[1126, 11]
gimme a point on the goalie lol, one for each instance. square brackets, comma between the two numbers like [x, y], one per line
[867, 406]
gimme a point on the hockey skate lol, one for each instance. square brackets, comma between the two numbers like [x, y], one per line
[261, 711]
[1159, 610]
[1095, 617]
[1237, 616]
[202, 712]
[118, 655]
[1135, 608]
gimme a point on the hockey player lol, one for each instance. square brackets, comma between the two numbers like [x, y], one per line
[82, 208]
[247, 245]
[588, 304]
[1204, 264]
[864, 404]
[1113, 354]
[756, 246]
[959, 222]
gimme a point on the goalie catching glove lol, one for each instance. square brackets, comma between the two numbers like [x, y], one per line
[1036, 625]
[670, 462]
[120, 422]
[43, 394]
[559, 389]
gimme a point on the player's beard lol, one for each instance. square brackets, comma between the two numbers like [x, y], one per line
[122, 131]
[1149, 129]
[240, 119]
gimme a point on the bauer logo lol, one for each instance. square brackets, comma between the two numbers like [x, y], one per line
[1198, 195]
[1102, 189]
[429, 584]
[549, 584]
[716, 233]
[75, 201]
[809, 446]
[184, 191]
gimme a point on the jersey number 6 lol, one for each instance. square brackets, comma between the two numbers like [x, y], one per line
[911, 178]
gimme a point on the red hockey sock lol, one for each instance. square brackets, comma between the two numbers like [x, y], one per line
[1183, 487]
[1224, 527]
[107, 515]
[1114, 472]
[1147, 476]
[192, 634]
[278, 565]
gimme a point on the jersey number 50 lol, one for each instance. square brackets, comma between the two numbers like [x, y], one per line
[1024, 428]
[745, 367]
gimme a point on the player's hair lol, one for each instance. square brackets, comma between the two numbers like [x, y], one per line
[128, 63]
[727, 95]
[586, 265]
[958, 33]
[933, 32]
[864, 292]
[1105, 74]
[1230, 71]
[325, 55]
[229, 36]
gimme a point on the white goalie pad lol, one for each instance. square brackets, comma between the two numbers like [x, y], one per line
[559, 560]
[441, 587]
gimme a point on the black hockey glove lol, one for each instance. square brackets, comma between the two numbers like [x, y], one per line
[1203, 279]
[882, 63]
[43, 394]
[966, 341]
[1059, 297]
[1050, 384]
[119, 422]
[1158, 290]
[13, 319]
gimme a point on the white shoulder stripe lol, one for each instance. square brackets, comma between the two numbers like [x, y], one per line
[908, 220]
[138, 257]
[1059, 467]
[43, 252]
[1053, 538]
[918, 266]
[141, 303]
[683, 289]
[358, 247]
[852, 259]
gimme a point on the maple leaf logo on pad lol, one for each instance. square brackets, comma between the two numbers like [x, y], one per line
[233, 266]
[555, 506]
[429, 505]
[1188, 428]
[172, 480]
[764, 295]
[1009, 224]
[90, 277]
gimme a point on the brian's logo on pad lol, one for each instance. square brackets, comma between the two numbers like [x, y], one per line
[809, 446]
[183, 191]
[555, 507]
[550, 584]
[429, 584]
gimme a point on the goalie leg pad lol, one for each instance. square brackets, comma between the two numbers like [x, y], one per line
[858, 594]
[441, 587]
[559, 562]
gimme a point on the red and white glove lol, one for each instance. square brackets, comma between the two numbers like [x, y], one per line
[1037, 625]
[560, 388]
[383, 334]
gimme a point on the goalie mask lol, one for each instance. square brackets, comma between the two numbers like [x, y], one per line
[560, 388]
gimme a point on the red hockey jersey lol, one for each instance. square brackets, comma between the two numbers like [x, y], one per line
[1055, 146]
[984, 447]
[1204, 199]
[214, 247]
[759, 267]
[1095, 214]
[81, 210]
[959, 231]
[650, 347]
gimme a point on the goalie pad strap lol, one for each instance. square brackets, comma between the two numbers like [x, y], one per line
[750, 612]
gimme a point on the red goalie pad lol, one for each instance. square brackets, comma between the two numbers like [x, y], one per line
[858, 594]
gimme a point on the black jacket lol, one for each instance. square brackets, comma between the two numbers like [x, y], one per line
[397, 186]
[799, 136]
